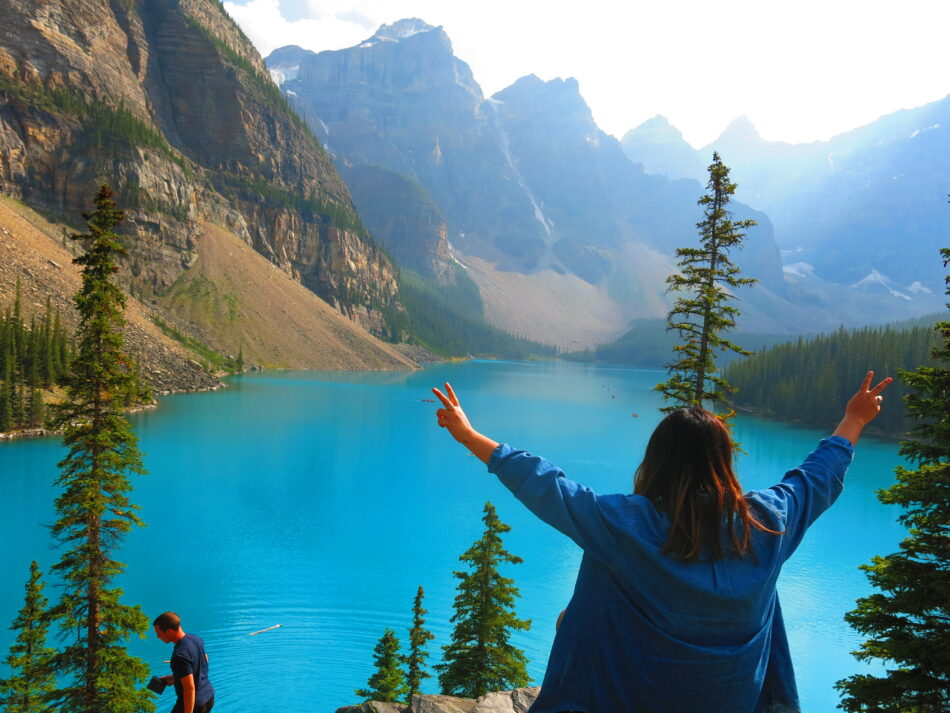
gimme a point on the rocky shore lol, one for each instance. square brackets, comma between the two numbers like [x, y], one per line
[516, 701]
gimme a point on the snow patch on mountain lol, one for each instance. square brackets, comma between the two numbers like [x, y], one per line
[918, 132]
[799, 269]
[279, 75]
[877, 281]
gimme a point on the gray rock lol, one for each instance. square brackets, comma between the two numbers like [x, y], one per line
[516, 701]
[441, 704]
[374, 707]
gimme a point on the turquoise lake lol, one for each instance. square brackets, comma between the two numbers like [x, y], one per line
[320, 501]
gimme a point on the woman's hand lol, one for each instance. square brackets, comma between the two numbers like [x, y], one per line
[453, 418]
[862, 408]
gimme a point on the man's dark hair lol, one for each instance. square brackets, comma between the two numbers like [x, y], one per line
[168, 620]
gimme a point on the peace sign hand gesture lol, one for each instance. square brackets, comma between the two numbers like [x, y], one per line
[862, 408]
[453, 419]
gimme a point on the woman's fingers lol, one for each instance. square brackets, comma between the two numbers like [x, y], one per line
[880, 387]
[451, 391]
[866, 384]
[443, 398]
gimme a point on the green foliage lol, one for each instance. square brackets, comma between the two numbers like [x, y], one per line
[908, 619]
[810, 380]
[479, 659]
[96, 673]
[419, 636]
[210, 359]
[32, 360]
[447, 320]
[705, 315]
[32, 679]
[388, 683]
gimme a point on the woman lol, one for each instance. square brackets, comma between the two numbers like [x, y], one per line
[675, 609]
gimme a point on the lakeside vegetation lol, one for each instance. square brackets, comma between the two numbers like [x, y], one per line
[34, 358]
[809, 380]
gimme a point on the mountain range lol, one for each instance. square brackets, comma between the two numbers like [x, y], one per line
[568, 233]
[306, 201]
[867, 208]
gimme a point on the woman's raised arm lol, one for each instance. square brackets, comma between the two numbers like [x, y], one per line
[861, 408]
[453, 418]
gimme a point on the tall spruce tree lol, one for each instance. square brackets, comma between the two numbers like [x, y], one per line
[388, 684]
[419, 636]
[704, 314]
[96, 672]
[32, 679]
[479, 659]
[908, 620]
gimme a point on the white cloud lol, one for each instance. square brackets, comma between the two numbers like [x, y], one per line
[267, 28]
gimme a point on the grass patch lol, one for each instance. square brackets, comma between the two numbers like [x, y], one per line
[207, 357]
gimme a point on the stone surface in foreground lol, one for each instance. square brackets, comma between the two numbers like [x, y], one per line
[516, 701]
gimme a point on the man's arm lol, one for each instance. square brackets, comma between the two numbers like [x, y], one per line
[188, 693]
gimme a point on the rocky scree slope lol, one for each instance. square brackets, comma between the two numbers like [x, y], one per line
[168, 102]
[32, 253]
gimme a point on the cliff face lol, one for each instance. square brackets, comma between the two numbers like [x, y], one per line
[402, 100]
[168, 102]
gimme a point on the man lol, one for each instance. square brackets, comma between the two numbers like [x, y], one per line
[189, 666]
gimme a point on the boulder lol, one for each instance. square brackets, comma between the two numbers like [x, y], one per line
[441, 704]
[516, 701]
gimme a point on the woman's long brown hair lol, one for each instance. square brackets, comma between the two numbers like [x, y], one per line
[687, 474]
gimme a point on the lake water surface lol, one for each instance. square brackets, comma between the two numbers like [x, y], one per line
[320, 501]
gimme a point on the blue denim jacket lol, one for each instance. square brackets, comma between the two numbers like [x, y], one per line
[645, 631]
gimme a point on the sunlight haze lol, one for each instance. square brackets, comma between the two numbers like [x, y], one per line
[800, 71]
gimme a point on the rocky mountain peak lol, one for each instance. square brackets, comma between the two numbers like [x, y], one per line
[741, 132]
[556, 97]
[402, 29]
[657, 130]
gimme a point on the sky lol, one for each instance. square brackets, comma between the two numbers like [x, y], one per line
[800, 71]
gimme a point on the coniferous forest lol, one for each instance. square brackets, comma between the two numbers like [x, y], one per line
[810, 380]
[34, 356]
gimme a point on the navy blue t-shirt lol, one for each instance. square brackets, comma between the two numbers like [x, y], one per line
[189, 657]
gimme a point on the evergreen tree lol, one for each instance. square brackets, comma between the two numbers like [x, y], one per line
[6, 399]
[388, 683]
[479, 659]
[32, 680]
[702, 316]
[909, 619]
[419, 636]
[97, 674]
